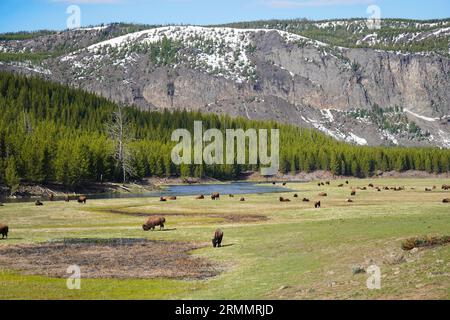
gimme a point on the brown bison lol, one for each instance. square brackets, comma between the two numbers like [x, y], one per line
[38, 203]
[317, 205]
[323, 194]
[447, 200]
[445, 187]
[82, 199]
[217, 240]
[341, 185]
[305, 200]
[284, 183]
[51, 197]
[172, 198]
[4, 230]
[66, 198]
[162, 199]
[242, 199]
[284, 199]
[353, 193]
[346, 182]
[231, 195]
[349, 200]
[152, 222]
[200, 197]
[295, 195]
[215, 196]
[428, 189]
[371, 185]
[327, 183]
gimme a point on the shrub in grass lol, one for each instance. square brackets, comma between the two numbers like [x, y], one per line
[412, 243]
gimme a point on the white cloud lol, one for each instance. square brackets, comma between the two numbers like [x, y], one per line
[89, 1]
[312, 3]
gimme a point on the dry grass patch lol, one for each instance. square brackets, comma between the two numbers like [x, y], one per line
[109, 258]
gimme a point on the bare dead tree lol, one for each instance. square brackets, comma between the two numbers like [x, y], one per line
[118, 130]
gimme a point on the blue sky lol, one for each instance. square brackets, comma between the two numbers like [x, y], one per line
[18, 15]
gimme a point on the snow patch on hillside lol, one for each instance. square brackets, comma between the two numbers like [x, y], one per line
[221, 51]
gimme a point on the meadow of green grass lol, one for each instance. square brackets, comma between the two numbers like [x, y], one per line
[297, 253]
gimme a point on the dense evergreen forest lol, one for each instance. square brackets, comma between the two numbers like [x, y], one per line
[52, 133]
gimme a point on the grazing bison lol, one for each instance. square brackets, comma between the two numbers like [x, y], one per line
[215, 196]
[447, 200]
[284, 183]
[82, 199]
[327, 183]
[162, 199]
[349, 200]
[217, 240]
[428, 189]
[274, 183]
[305, 200]
[371, 185]
[295, 195]
[323, 194]
[200, 197]
[445, 187]
[318, 184]
[173, 198]
[317, 205]
[4, 230]
[284, 200]
[242, 199]
[152, 222]
[38, 203]
[341, 185]
[346, 182]
[353, 193]
[231, 195]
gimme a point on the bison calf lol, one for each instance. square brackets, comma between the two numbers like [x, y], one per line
[154, 222]
[217, 240]
[82, 199]
[215, 196]
[4, 230]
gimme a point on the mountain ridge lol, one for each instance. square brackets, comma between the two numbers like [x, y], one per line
[266, 74]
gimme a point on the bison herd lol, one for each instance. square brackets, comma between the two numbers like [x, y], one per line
[158, 221]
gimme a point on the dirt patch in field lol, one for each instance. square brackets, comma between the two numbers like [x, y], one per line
[109, 258]
[227, 217]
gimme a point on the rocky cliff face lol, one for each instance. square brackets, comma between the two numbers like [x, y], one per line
[359, 95]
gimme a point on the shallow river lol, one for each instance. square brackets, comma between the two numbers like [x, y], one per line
[185, 190]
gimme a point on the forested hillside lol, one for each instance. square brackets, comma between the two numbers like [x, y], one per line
[52, 133]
